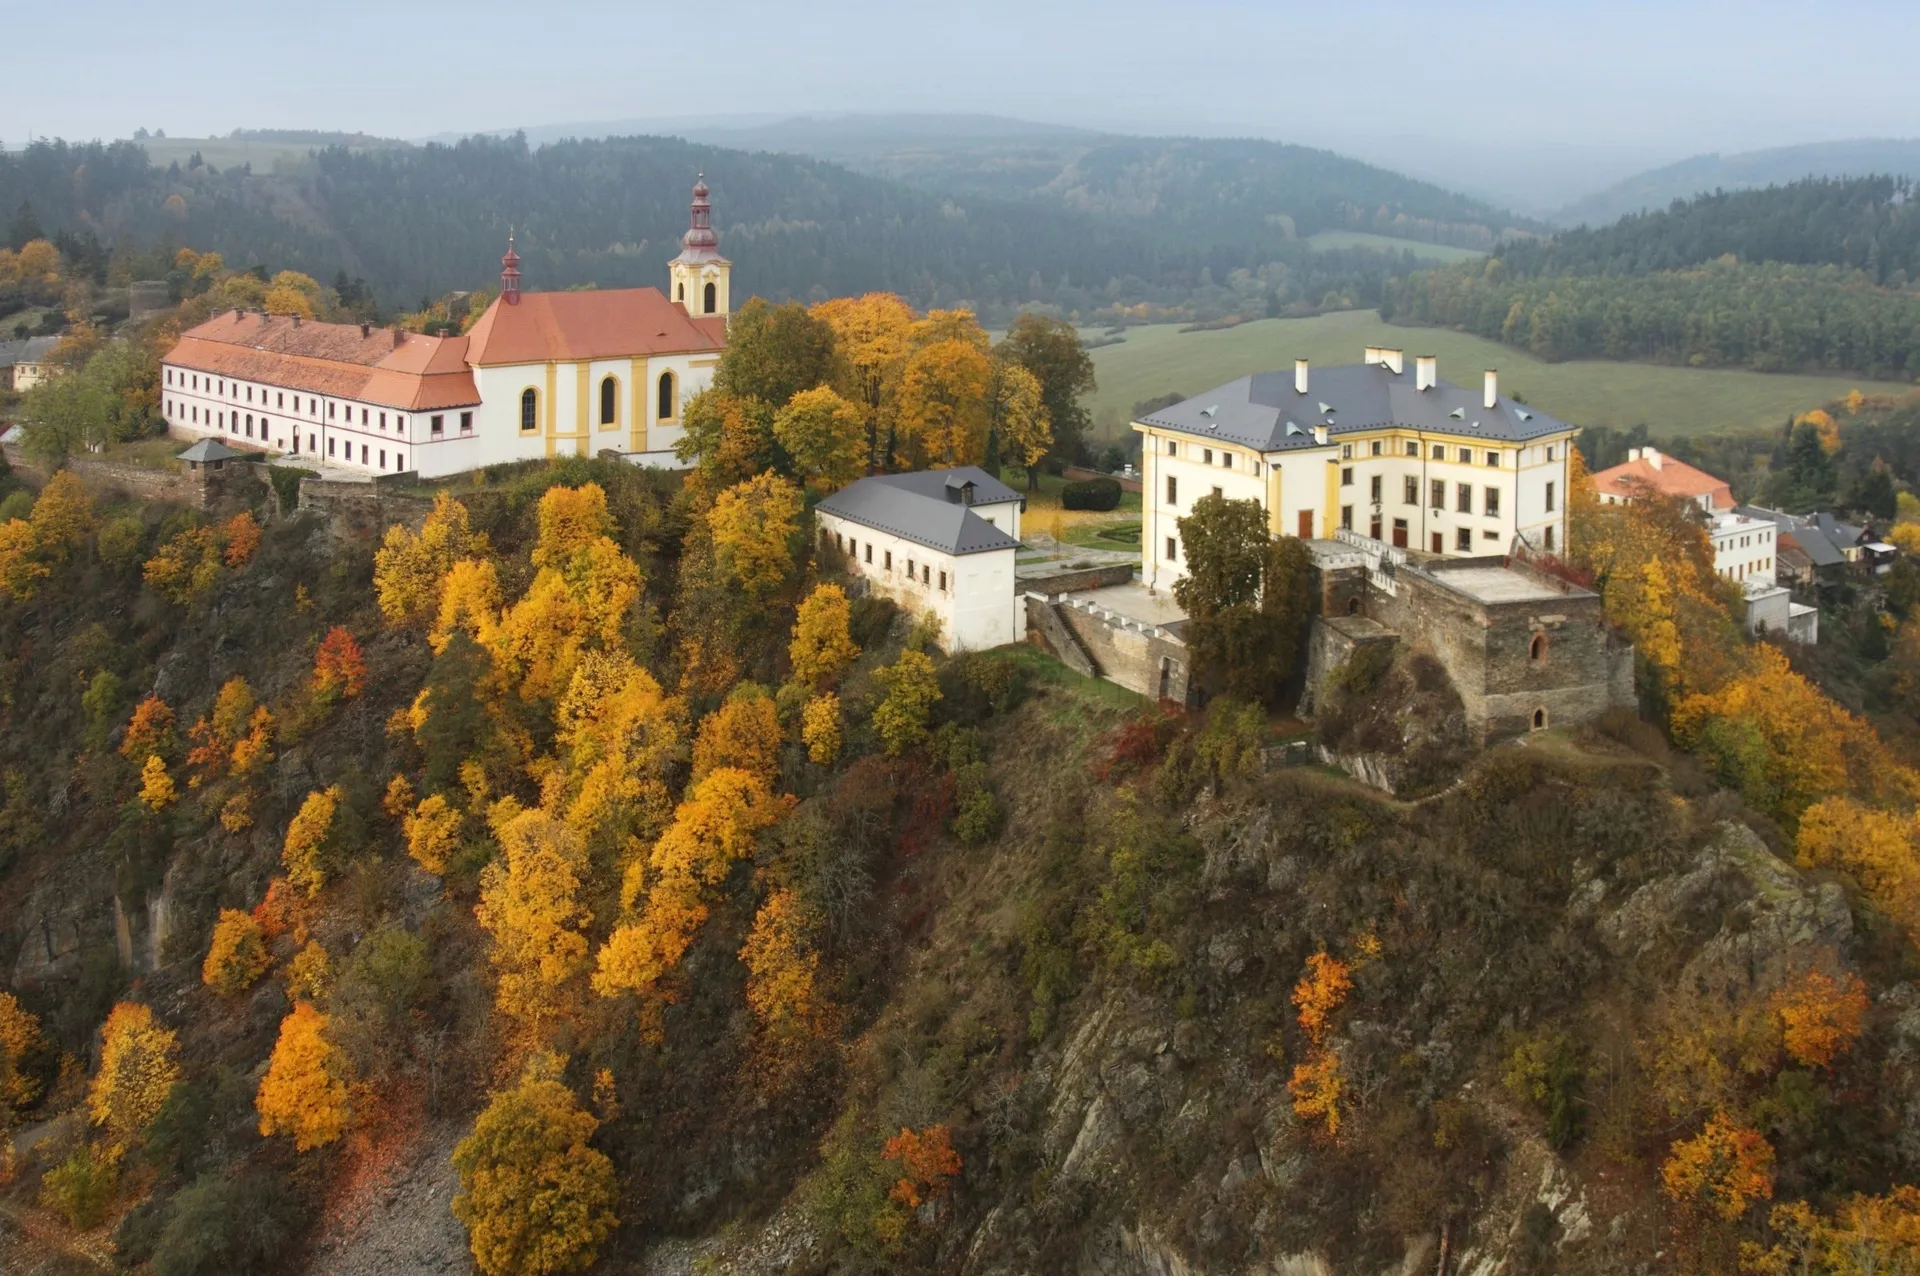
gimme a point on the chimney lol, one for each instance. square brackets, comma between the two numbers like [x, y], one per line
[1299, 376]
[1426, 371]
[1395, 359]
[1492, 398]
[1651, 457]
[264, 316]
[237, 313]
[296, 321]
[398, 336]
[1319, 431]
[1633, 454]
[366, 330]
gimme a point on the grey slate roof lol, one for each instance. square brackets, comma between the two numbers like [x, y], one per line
[918, 507]
[1264, 412]
[1822, 537]
[208, 450]
[29, 350]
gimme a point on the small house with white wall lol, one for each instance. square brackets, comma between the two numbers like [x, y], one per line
[938, 542]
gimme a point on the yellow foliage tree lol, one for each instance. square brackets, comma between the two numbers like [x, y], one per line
[157, 791]
[944, 413]
[753, 525]
[305, 1090]
[1725, 1168]
[873, 334]
[820, 728]
[237, 955]
[913, 688]
[822, 648]
[529, 904]
[781, 968]
[571, 520]
[408, 568]
[1018, 414]
[21, 570]
[186, 566]
[433, 832]
[744, 732]
[1319, 1090]
[62, 517]
[138, 1070]
[712, 830]
[469, 603]
[826, 437]
[19, 1036]
[618, 733]
[310, 973]
[1864, 1236]
[1322, 990]
[1876, 847]
[1820, 1017]
[306, 852]
[534, 1197]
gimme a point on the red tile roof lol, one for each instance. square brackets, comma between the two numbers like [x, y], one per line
[1669, 478]
[613, 324]
[340, 360]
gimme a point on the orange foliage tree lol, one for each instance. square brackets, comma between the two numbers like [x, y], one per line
[149, 732]
[339, 670]
[19, 1035]
[927, 1163]
[744, 732]
[1725, 1168]
[1876, 847]
[305, 1090]
[781, 968]
[529, 904]
[1318, 1084]
[944, 413]
[822, 648]
[1820, 1017]
[242, 537]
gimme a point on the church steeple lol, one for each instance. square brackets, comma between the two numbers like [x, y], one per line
[700, 277]
[510, 274]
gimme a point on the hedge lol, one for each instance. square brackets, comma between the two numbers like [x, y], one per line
[1091, 494]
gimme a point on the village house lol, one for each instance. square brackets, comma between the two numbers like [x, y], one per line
[23, 363]
[540, 374]
[939, 542]
[1647, 470]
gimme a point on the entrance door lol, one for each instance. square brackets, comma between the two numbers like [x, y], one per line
[1373, 529]
[1399, 533]
[1439, 544]
[1306, 525]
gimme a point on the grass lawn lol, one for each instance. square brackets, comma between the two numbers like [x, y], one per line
[1329, 240]
[1156, 359]
[147, 454]
[1122, 534]
[1097, 694]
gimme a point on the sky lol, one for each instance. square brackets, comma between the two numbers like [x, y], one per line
[1469, 88]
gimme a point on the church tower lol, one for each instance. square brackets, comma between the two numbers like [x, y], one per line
[698, 278]
[510, 274]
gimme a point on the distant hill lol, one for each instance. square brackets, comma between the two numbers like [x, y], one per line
[1659, 187]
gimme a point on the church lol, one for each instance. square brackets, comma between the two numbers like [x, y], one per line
[540, 374]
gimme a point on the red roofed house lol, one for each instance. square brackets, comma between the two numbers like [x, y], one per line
[1646, 468]
[539, 374]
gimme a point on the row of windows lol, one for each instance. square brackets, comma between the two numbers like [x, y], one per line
[1206, 456]
[1437, 494]
[221, 387]
[436, 424]
[855, 550]
[666, 406]
[1464, 455]
[1741, 571]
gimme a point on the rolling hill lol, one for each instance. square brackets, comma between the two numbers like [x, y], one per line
[1659, 187]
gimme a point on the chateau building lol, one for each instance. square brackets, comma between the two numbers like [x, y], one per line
[1406, 459]
[540, 374]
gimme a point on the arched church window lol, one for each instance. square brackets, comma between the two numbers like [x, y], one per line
[609, 401]
[668, 406]
[681, 293]
[713, 298]
[529, 410]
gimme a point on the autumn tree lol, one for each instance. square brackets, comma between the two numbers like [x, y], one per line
[534, 1196]
[408, 568]
[1321, 990]
[235, 736]
[1248, 599]
[913, 688]
[1050, 349]
[822, 648]
[239, 537]
[1017, 418]
[305, 1090]
[824, 436]
[237, 955]
[186, 566]
[432, 830]
[339, 670]
[1820, 1017]
[21, 570]
[729, 436]
[149, 732]
[943, 409]
[1724, 1168]
[618, 734]
[157, 790]
[469, 604]
[1318, 1084]
[744, 732]
[529, 904]
[62, 518]
[927, 1164]
[713, 829]
[138, 1070]
[19, 1037]
[309, 852]
[820, 728]
[754, 525]
[873, 334]
[781, 969]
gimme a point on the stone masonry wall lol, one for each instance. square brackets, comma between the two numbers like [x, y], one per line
[182, 487]
[1131, 658]
[361, 509]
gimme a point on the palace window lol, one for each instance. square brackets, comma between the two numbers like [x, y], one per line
[1206, 456]
[1412, 493]
[665, 410]
[1173, 547]
[1378, 447]
[279, 399]
[1439, 451]
[1346, 476]
[1465, 497]
[529, 410]
[1413, 449]
[1493, 502]
[1346, 451]
[1226, 459]
[1346, 517]
[1466, 456]
[1173, 449]
[1439, 494]
[1493, 459]
[943, 582]
[1173, 490]
[888, 564]
[609, 401]
[1373, 491]
[1463, 540]
[383, 420]
[1549, 498]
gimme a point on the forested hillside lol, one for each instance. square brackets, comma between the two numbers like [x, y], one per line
[580, 874]
[1746, 170]
[1192, 229]
[1816, 275]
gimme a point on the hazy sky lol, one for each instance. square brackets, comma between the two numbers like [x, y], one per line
[1626, 82]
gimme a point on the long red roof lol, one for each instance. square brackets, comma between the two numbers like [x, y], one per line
[614, 323]
[341, 360]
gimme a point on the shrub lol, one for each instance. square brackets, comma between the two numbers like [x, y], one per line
[871, 620]
[119, 540]
[79, 1189]
[220, 1225]
[286, 484]
[1091, 494]
[977, 816]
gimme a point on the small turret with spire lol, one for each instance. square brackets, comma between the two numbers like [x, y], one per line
[700, 277]
[510, 274]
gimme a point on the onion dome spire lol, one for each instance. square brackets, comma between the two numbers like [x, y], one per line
[701, 240]
[510, 274]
